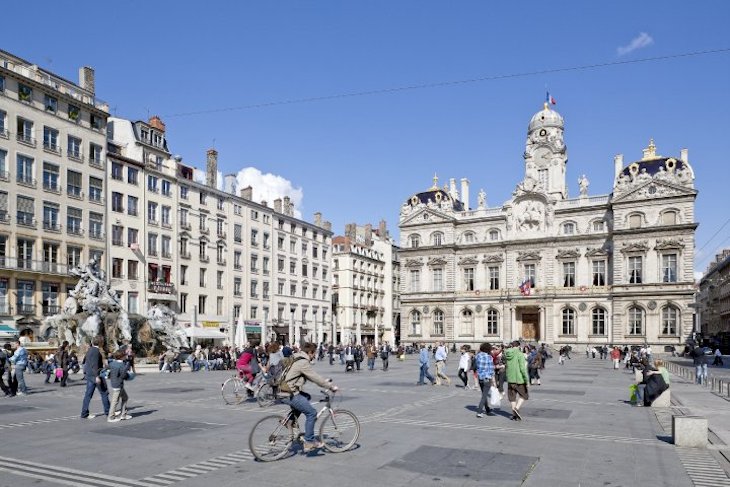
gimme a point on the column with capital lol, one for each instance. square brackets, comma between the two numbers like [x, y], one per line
[290, 339]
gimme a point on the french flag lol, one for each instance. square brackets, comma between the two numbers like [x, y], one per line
[549, 99]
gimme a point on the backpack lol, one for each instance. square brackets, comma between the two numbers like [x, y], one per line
[279, 373]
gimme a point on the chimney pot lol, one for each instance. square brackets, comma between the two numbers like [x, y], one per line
[618, 164]
[277, 205]
[247, 193]
[318, 219]
[684, 155]
[211, 168]
[157, 123]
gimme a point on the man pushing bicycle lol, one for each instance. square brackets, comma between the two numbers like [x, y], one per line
[293, 382]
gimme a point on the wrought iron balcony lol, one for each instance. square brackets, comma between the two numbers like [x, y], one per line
[26, 309]
[160, 287]
[51, 309]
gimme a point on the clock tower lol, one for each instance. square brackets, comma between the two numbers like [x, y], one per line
[546, 157]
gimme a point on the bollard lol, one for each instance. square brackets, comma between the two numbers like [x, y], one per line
[689, 431]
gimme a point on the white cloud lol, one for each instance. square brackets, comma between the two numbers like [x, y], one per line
[639, 42]
[268, 187]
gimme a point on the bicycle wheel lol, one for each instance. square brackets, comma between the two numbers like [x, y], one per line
[233, 391]
[270, 439]
[339, 430]
[265, 395]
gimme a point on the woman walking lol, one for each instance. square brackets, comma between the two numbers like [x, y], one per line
[464, 366]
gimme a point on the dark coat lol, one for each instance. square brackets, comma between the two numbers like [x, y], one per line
[93, 363]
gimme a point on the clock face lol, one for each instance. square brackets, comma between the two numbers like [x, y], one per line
[543, 132]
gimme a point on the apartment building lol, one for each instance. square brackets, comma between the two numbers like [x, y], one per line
[228, 247]
[52, 188]
[366, 285]
[142, 208]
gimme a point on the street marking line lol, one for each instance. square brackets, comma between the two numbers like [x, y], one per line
[51, 470]
[43, 477]
[36, 421]
[201, 468]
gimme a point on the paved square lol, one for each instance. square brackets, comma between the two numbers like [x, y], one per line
[158, 429]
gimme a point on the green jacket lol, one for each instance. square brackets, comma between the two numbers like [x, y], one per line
[516, 366]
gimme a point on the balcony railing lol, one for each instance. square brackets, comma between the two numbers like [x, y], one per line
[4, 133]
[51, 309]
[26, 309]
[166, 255]
[160, 287]
[204, 258]
[4, 217]
[26, 221]
[75, 192]
[5, 309]
[186, 226]
[51, 186]
[185, 255]
[26, 139]
[221, 261]
[96, 235]
[152, 252]
[4, 176]
[26, 180]
[221, 234]
[51, 147]
[75, 155]
[96, 162]
[51, 226]
[204, 231]
[75, 230]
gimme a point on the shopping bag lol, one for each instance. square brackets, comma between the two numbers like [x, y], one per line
[495, 398]
[632, 392]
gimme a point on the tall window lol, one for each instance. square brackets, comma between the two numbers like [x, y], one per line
[467, 323]
[542, 178]
[438, 322]
[493, 277]
[73, 184]
[415, 280]
[184, 303]
[26, 210]
[531, 274]
[599, 272]
[73, 221]
[25, 169]
[568, 321]
[669, 218]
[414, 241]
[469, 279]
[50, 139]
[568, 274]
[96, 189]
[438, 279]
[152, 212]
[437, 239]
[415, 323]
[494, 235]
[669, 268]
[73, 257]
[492, 322]
[50, 216]
[117, 202]
[670, 318]
[598, 321]
[74, 147]
[636, 321]
[132, 205]
[635, 221]
[569, 228]
[635, 270]
[469, 237]
[25, 254]
[201, 304]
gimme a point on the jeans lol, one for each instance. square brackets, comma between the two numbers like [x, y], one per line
[300, 404]
[425, 374]
[701, 373]
[371, 363]
[385, 364]
[20, 377]
[91, 386]
[640, 394]
[484, 385]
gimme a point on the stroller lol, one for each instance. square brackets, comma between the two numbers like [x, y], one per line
[349, 363]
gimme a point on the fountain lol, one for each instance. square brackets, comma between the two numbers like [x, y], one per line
[92, 308]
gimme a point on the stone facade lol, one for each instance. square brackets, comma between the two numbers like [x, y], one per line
[606, 269]
[713, 298]
[366, 285]
[52, 189]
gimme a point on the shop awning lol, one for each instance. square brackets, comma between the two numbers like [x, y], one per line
[205, 333]
[7, 331]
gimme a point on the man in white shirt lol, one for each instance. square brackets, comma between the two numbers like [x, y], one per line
[441, 355]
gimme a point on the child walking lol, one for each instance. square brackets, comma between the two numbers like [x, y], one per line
[118, 373]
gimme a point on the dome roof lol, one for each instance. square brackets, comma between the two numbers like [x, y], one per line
[434, 195]
[654, 166]
[546, 118]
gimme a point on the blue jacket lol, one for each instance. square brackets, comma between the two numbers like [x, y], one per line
[117, 373]
[20, 357]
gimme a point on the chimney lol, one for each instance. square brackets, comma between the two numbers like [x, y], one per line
[211, 168]
[230, 184]
[157, 123]
[618, 164]
[465, 193]
[350, 230]
[288, 206]
[318, 219]
[452, 187]
[327, 226]
[277, 205]
[265, 203]
[86, 79]
[684, 155]
[247, 193]
[368, 234]
[383, 230]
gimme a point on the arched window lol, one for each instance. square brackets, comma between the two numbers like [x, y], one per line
[415, 323]
[568, 321]
[492, 322]
[467, 323]
[599, 225]
[437, 239]
[569, 228]
[414, 241]
[438, 322]
[669, 217]
[635, 220]
[636, 321]
[670, 320]
[469, 237]
[598, 321]
[494, 235]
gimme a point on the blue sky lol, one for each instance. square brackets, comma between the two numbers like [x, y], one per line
[358, 158]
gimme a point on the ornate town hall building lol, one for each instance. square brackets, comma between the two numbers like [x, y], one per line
[610, 269]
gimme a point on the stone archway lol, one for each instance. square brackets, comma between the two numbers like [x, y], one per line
[530, 318]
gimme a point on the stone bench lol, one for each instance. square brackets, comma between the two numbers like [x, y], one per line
[663, 401]
[689, 431]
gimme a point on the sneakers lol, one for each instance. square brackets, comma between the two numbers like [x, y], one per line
[90, 416]
[126, 416]
[249, 387]
[516, 415]
[480, 415]
[114, 419]
[312, 445]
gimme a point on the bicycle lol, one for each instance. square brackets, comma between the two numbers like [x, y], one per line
[234, 391]
[272, 437]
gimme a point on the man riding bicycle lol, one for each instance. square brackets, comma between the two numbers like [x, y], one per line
[300, 372]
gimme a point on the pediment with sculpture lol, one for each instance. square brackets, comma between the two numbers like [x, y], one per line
[669, 244]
